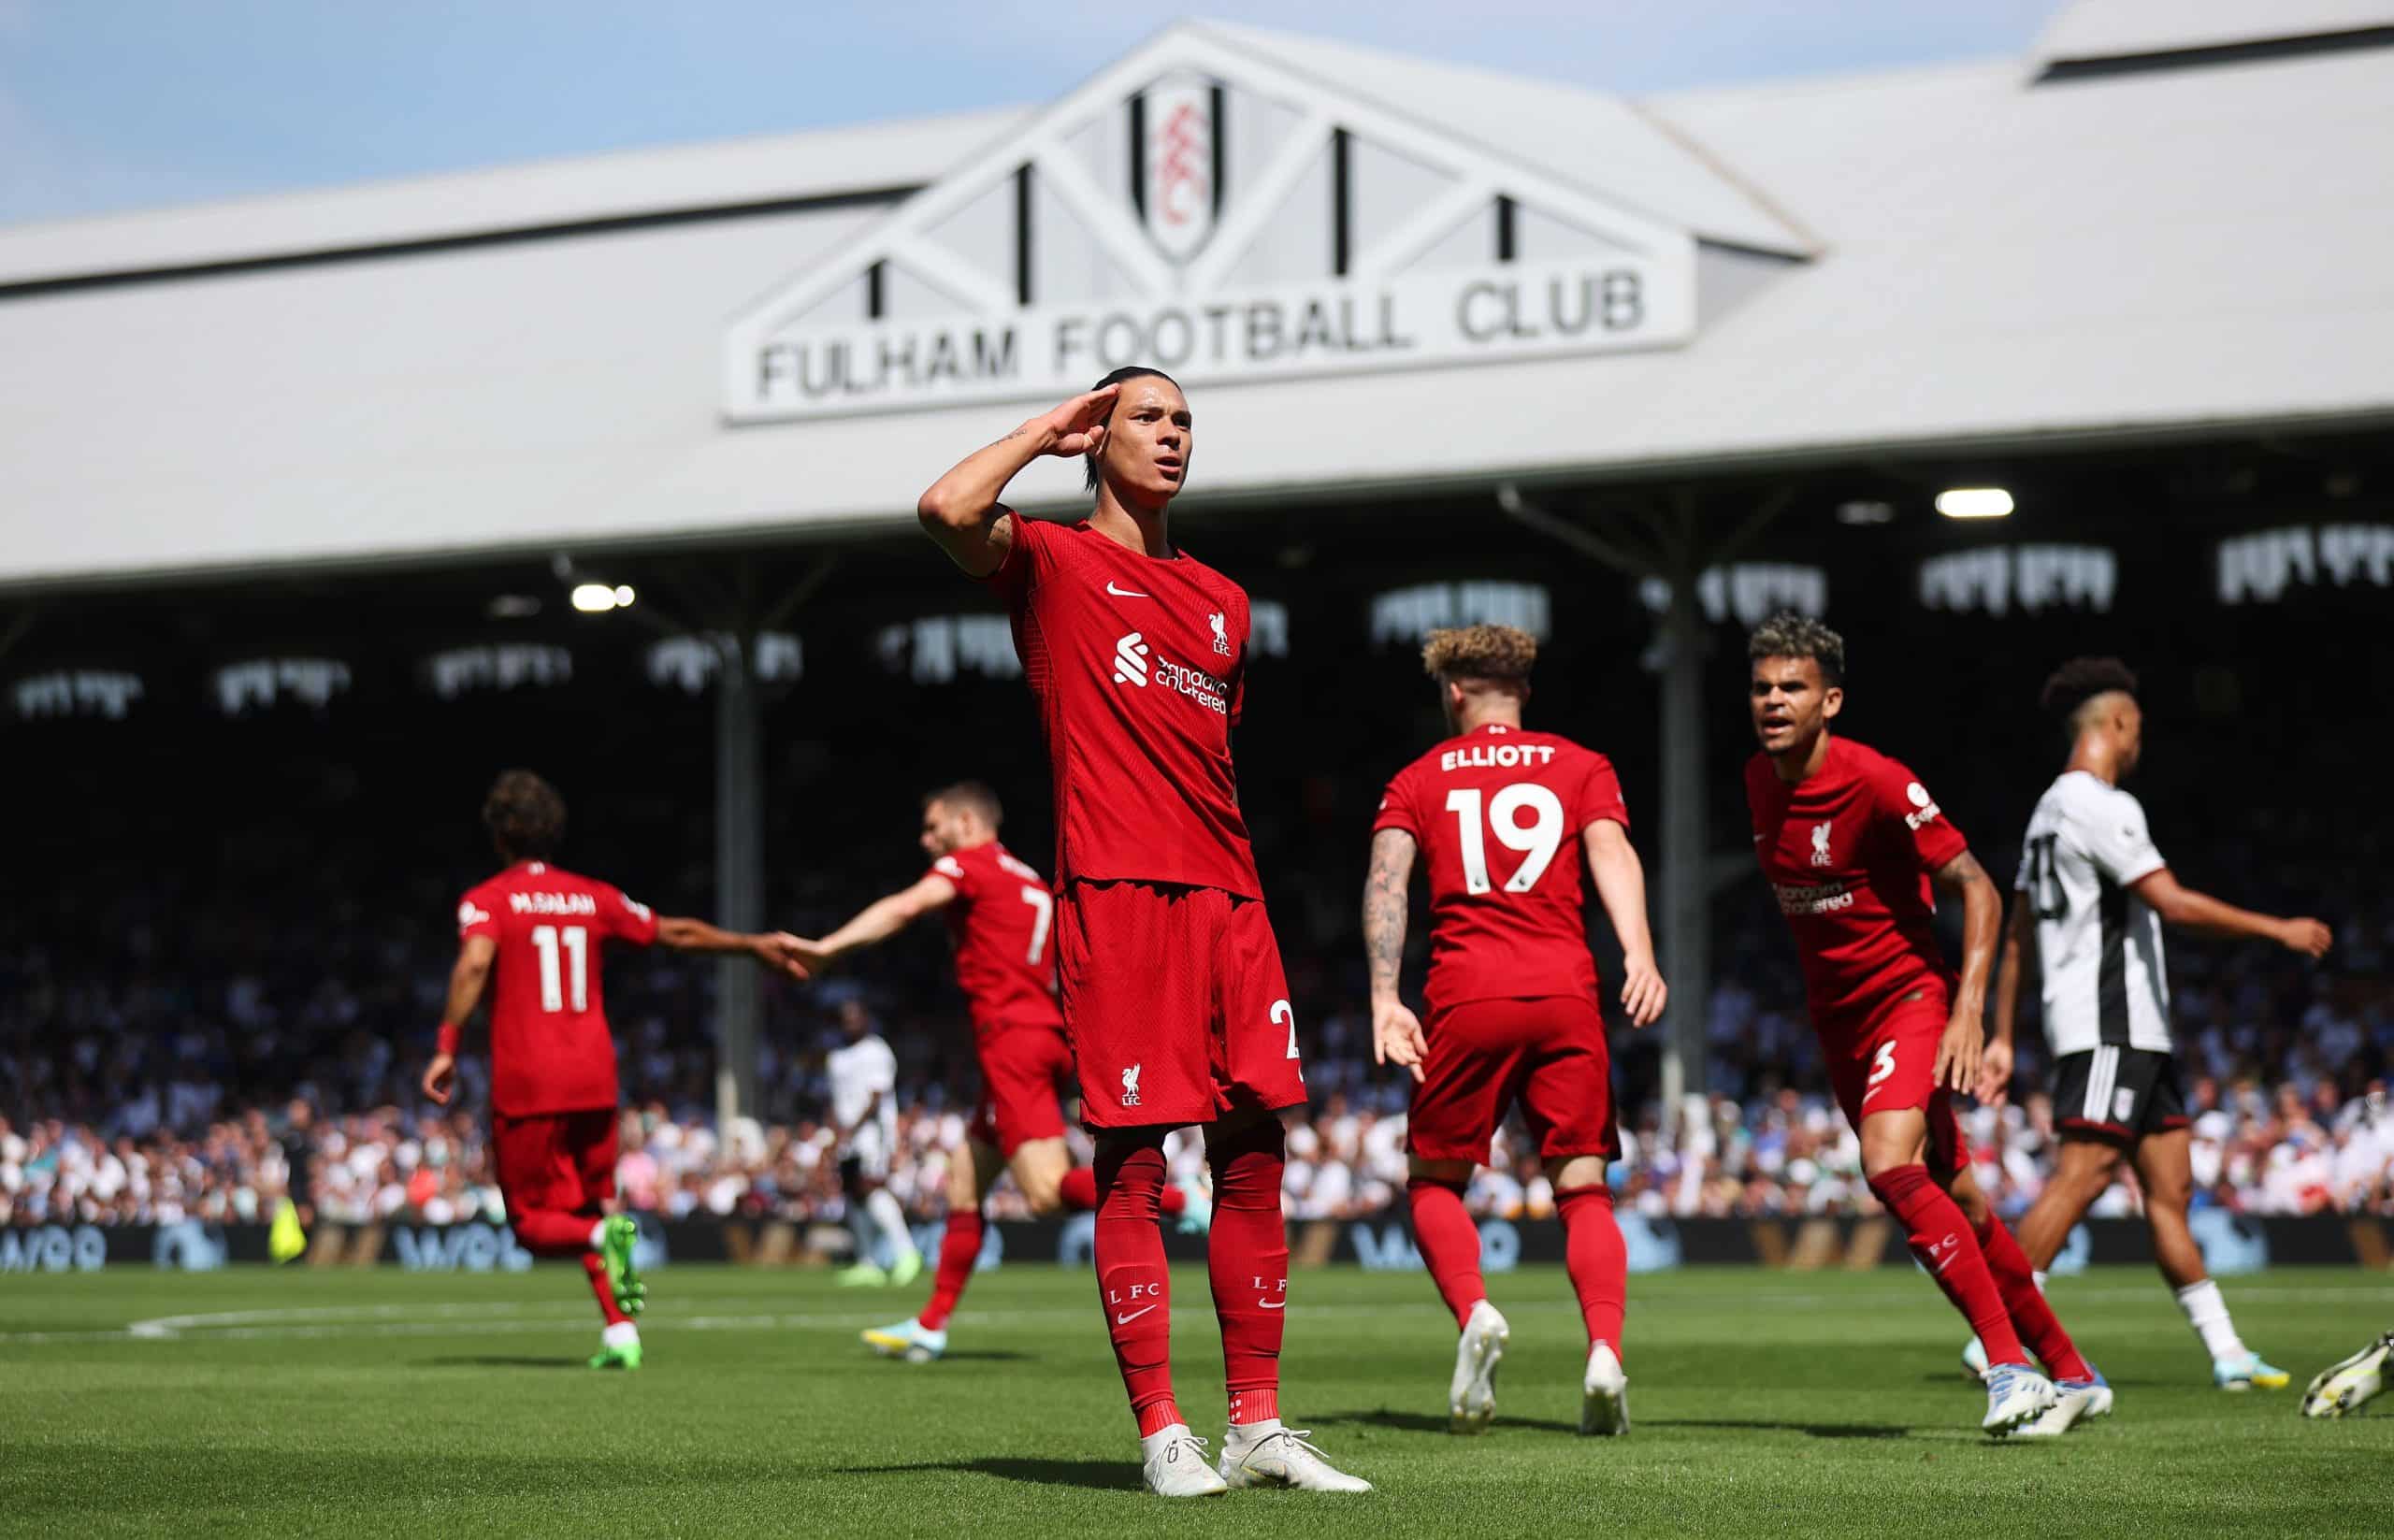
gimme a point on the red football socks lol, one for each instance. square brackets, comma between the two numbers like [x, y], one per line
[1448, 1242]
[595, 1266]
[551, 1232]
[1943, 1241]
[1078, 1189]
[1132, 1283]
[2031, 1317]
[958, 1250]
[1247, 1256]
[1597, 1260]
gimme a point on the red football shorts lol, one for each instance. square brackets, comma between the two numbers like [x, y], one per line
[1888, 1063]
[1546, 1054]
[564, 1162]
[1175, 1004]
[1025, 1074]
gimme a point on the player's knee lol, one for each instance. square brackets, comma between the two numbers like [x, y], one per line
[1042, 1193]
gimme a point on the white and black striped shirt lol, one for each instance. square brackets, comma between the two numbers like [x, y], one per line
[2098, 945]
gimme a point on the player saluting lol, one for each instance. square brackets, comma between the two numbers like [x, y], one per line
[2093, 893]
[1000, 923]
[1849, 840]
[553, 1091]
[1512, 993]
[1172, 988]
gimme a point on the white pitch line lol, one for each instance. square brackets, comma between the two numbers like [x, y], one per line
[496, 1318]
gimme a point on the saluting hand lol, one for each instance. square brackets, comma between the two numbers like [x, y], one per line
[1078, 426]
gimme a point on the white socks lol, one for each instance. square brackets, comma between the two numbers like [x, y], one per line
[892, 1221]
[1247, 1435]
[598, 1234]
[620, 1334]
[2207, 1312]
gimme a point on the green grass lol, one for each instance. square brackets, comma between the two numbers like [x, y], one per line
[1763, 1403]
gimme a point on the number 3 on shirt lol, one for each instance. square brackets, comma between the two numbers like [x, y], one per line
[1538, 841]
[577, 945]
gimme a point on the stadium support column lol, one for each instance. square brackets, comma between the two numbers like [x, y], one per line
[1662, 540]
[1687, 911]
[739, 866]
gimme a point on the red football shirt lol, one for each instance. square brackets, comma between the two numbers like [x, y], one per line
[1849, 851]
[1002, 926]
[549, 1051]
[1498, 812]
[1138, 665]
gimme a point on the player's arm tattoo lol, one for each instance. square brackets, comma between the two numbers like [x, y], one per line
[1961, 871]
[1384, 906]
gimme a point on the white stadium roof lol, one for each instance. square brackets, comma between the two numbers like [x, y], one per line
[2164, 223]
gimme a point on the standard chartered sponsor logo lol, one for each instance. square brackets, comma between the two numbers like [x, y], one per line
[1818, 899]
[1131, 660]
[1132, 665]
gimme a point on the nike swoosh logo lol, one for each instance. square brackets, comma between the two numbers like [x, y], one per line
[1125, 1320]
[1268, 1304]
[1125, 593]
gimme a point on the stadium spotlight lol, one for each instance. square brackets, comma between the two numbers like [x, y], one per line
[1865, 511]
[623, 595]
[1975, 502]
[596, 599]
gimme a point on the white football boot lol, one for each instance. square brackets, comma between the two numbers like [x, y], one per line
[1471, 1395]
[909, 1340]
[2342, 1387]
[2017, 1397]
[1175, 1464]
[1604, 1395]
[1280, 1457]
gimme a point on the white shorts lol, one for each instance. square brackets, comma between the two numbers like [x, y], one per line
[868, 1153]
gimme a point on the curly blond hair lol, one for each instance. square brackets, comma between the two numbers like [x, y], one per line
[1479, 652]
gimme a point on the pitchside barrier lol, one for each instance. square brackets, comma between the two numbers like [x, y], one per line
[2231, 1243]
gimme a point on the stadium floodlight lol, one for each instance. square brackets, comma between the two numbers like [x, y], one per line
[623, 595]
[1975, 502]
[596, 599]
[1865, 511]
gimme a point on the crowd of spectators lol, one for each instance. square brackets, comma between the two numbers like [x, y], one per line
[113, 1124]
[229, 998]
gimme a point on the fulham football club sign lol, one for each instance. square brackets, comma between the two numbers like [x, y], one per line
[1204, 208]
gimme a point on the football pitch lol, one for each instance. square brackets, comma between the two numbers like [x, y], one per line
[349, 1403]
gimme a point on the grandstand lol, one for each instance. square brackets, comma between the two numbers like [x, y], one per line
[264, 639]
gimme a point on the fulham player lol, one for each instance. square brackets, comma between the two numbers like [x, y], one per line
[2093, 893]
[539, 929]
[1505, 818]
[1171, 982]
[1852, 842]
[1001, 926]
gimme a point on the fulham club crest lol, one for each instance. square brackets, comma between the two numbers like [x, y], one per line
[1176, 161]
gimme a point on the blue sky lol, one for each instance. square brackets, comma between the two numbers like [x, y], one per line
[115, 104]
